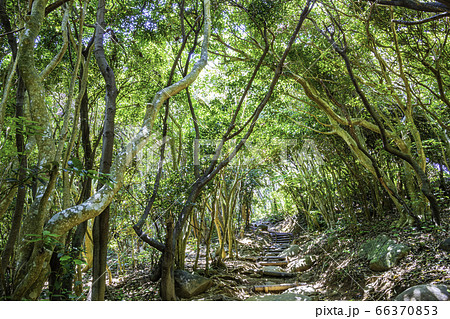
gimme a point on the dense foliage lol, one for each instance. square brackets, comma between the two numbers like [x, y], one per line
[332, 112]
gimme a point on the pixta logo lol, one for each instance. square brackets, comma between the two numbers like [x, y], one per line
[284, 151]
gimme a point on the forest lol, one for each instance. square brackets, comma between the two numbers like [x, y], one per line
[224, 150]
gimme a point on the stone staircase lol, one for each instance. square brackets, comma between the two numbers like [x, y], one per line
[271, 254]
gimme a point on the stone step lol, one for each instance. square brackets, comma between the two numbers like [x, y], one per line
[274, 250]
[281, 234]
[274, 288]
[279, 246]
[273, 263]
[272, 254]
[277, 273]
[267, 258]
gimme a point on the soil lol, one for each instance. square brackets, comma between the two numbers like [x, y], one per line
[338, 273]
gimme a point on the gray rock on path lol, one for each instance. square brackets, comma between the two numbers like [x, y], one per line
[445, 245]
[281, 297]
[383, 253]
[425, 293]
[305, 290]
[292, 251]
[188, 285]
[302, 264]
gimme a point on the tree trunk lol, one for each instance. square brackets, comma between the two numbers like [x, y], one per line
[21, 192]
[101, 222]
[100, 236]
[78, 238]
[200, 238]
[167, 276]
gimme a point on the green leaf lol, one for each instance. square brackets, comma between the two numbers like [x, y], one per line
[65, 258]
[79, 262]
[75, 163]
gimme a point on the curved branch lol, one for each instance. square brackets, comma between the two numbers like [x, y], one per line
[435, 17]
[58, 57]
[55, 5]
[6, 89]
[440, 6]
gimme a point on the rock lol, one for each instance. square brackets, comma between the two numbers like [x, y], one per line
[292, 251]
[282, 297]
[188, 285]
[383, 253]
[302, 264]
[425, 293]
[445, 245]
[303, 290]
[263, 227]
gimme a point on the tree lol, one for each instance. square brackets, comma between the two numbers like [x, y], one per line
[34, 256]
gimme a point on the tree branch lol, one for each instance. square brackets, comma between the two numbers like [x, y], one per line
[11, 32]
[58, 57]
[55, 5]
[435, 17]
[440, 6]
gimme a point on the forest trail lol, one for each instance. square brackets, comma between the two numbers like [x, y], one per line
[263, 269]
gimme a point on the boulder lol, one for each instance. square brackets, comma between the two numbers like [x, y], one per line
[445, 245]
[188, 285]
[302, 264]
[282, 297]
[383, 253]
[425, 293]
[292, 251]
